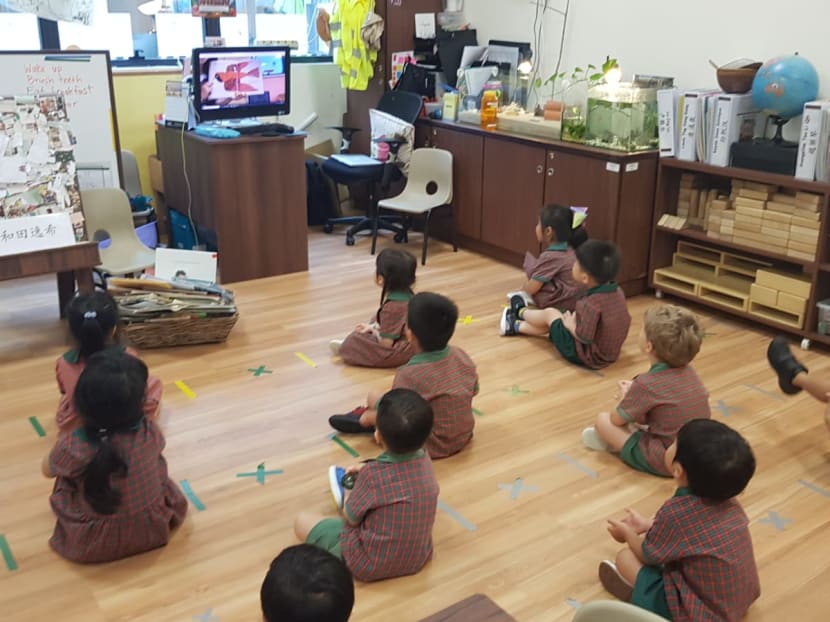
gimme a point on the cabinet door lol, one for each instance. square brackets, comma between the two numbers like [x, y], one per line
[468, 157]
[572, 179]
[513, 190]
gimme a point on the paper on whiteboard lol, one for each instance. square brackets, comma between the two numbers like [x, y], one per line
[12, 170]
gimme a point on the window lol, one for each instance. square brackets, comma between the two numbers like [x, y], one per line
[108, 31]
[18, 31]
[278, 21]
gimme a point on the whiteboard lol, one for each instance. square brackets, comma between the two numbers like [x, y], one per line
[85, 79]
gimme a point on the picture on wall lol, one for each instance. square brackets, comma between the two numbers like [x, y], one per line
[38, 174]
[213, 8]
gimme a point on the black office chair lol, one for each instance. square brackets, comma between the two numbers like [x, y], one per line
[406, 106]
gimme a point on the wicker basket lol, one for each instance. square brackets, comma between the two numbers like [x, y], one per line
[179, 331]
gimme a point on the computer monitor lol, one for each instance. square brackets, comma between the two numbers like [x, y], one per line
[241, 82]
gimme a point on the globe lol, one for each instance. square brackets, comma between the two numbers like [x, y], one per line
[784, 84]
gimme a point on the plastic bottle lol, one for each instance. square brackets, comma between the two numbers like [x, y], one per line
[489, 110]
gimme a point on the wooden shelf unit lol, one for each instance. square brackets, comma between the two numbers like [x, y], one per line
[665, 276]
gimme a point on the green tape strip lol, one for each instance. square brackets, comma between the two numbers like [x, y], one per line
[345, 446]
[477, 412]
[11, 564]
[36, 425]
[188, 491]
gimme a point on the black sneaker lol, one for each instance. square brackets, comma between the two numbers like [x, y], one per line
[517, 303]
[507, 324]
[350, 422]
[785, 364]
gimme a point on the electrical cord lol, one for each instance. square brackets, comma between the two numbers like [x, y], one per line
[187, 185]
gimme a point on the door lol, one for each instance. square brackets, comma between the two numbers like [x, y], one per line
[513, 190]
[468, 159]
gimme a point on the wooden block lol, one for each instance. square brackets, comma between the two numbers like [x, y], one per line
[764, 295]
[750, 203]
[737, 184]
[720, 204]
[799, 255]
[808, 197]
[801, 247]
[795, 284]
[782, 234]
[742, 210]
[749, 218]
[807, 207]
[753, 194]
[784, 197]
[743, 227]
[684, 193]
[778, 217]
[769, 188]
[807, 215]
[694, 201]
[715, 235]
[784, 208]
[793, 304]
[804, 235]
[807, 223]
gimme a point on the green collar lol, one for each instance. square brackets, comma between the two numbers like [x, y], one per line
[398, 296]
[395, 458]
[74, 356]
[603, 288]
[661, 366]
[683, 491]
[429, 357]
[558, 246]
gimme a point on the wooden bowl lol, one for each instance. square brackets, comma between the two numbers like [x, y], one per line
[737, 80]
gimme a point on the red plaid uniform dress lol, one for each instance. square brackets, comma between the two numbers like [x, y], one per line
[602, 323]
[447, 379]
[365, 350]
[553, 269]
[393, 504]
[706, 553]
[151, 504]
[664, 399]
[68, 369]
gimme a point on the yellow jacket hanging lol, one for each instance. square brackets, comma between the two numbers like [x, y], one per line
[350, 53]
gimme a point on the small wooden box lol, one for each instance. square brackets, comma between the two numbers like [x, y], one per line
[785, 282]
[764, 295]
[790, 303]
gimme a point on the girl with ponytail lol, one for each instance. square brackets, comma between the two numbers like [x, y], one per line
[93, 322]
[112, 495]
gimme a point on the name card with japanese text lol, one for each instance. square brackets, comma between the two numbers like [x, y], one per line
[35, 233]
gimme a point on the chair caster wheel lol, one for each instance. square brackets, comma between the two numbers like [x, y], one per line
[328, 227]
[349, 240]
[658, 294]
[805, 344]
[400, 237]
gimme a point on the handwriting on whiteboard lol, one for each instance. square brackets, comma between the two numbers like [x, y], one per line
[57, 78]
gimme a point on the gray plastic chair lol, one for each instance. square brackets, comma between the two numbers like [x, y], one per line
[107, 211]
[614, 611]
[429, 186]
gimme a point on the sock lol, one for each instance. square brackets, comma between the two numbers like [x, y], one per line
[516, 324]
[520, 312]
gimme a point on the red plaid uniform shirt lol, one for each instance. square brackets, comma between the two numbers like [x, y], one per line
[706, 553]
[602, 323]
[393, 505]
[448, 380]
[365, 350]
[664, 399]
[553, 269]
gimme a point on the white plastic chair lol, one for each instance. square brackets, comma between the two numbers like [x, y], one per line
[129, 165]
[429, 186]
[107, 210]
[614, 611]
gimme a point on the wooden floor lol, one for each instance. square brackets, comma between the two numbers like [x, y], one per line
[535, 555]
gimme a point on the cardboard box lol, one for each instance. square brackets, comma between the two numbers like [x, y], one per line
[763, 295]
[793, 304]
[795, 284]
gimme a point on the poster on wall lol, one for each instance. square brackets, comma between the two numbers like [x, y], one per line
[213, 8]
[79, 11]
[38, 174]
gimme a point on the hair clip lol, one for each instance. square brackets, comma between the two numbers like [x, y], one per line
[90, 315]
[102, 434]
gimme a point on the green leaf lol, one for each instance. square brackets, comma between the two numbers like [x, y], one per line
[537, 82]
[595, 76]
[591, 67]
[578, 70]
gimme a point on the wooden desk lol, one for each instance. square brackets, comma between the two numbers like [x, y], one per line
[71, 263]
[250, 190]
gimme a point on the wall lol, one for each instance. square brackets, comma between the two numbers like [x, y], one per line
[662, 37]
[315, 87]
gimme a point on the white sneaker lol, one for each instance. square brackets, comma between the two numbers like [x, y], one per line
[335, 344]
[338, 495]
[591, 440]
[528, 300]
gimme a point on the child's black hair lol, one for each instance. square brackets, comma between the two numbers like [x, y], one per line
[397, 267]
[561, 220]
[307, 584]
[718, 461]
[600, 259]
[92, 320]
[404, 421]
[109, 398]
[432, 318]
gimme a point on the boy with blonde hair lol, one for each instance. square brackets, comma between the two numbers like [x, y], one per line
[658, 403]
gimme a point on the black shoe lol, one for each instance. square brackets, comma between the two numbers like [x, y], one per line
[350, 423]
[785, 364]
[507, 323]
[517, 303]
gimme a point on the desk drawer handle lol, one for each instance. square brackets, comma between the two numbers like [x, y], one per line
[550, 172]
[551, 155]
[539, 169]
[435, 132]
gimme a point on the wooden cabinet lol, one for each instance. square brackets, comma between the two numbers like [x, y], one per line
[512, 192]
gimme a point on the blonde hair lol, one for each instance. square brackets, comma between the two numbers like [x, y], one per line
[674, 333]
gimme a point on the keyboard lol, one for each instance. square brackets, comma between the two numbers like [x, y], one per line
[265, 128]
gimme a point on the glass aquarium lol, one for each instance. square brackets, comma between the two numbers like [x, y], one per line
[622, 117]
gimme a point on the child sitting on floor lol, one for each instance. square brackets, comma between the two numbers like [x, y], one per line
[386, 529]
[112, 495]
[93, 323]
[306, 583]
[550, 276]
[381, 342]
[594, 333]
[660, 401]
[793, 376]
[693, 561]
[442, 374]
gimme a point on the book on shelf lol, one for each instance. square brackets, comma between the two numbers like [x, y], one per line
[809, 143]
[736, 120]
[690, 121]
[823, 153]
[668, 101]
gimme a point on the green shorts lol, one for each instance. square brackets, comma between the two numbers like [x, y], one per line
[650, 591]
[326, 535]
[564, 341]
[633, 456]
